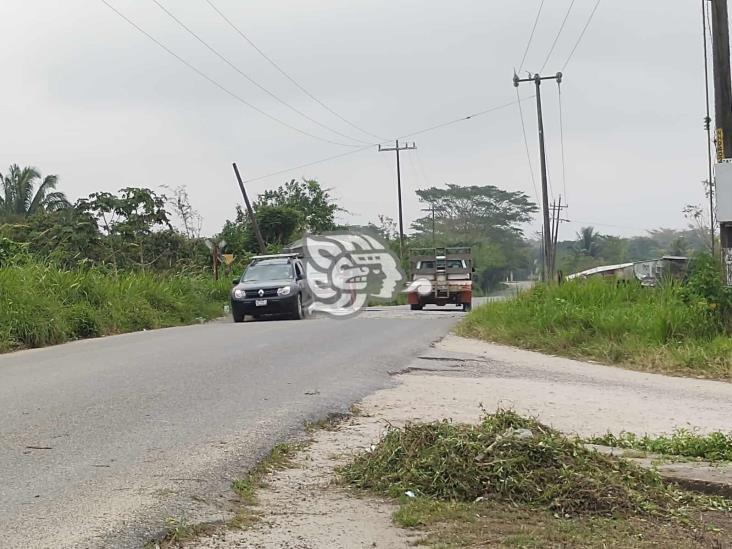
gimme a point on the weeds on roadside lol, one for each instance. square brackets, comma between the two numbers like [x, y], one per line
[672, 328]
[281, 457]
[715, 446]
[42, 304]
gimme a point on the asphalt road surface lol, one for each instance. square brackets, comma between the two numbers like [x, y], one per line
[102, 440]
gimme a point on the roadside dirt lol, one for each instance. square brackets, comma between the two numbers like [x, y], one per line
[302, 508]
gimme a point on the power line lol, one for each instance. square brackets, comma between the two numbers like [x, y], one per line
[308, 164]
[531, 37]
[526, 143]
[462, 119]
[438, 126]
[556, 38]
[285, 74]
[211, 80]
[582, 34]
[226, 60]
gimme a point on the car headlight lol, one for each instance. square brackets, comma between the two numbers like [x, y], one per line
[239, 293]
[284, 291]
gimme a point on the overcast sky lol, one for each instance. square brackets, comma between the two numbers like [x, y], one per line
[89, 98]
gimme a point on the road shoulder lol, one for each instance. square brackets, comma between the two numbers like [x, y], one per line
[304, 507]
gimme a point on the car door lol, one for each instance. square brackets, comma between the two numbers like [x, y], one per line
[302, 283]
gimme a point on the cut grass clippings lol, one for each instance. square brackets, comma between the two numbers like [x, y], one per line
[714, 447]
[43, 305]
[653, 329]
[457, 473]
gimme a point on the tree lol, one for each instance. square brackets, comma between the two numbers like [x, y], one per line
[487, 219]
[588, 242]
[180, 204]
[127, 220]
[307, 197]
[475, 210]
[21, 198]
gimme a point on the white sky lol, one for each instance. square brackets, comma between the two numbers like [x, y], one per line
[86, 96]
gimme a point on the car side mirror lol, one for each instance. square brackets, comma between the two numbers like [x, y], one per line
[235, 281]
[473, 269]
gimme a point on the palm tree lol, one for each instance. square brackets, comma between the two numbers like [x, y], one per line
[20, 197]
[588, 241]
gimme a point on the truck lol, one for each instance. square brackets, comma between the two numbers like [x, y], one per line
[440, 276]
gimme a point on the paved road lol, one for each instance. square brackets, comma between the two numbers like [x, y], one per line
[101, 440]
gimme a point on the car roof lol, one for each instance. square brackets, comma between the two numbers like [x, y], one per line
[273, 261]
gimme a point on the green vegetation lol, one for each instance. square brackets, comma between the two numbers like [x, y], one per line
[511, 481]
[675, 329]
[42, 304]
[486, 218]
[715, 446]
[117, 262]
[281, 457]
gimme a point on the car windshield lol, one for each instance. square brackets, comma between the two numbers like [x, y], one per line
[267, 271]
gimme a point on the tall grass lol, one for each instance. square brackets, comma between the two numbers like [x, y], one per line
[43, 305]
[660, 329]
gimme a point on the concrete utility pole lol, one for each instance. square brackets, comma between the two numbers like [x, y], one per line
[708, 128]
[397, 148]
[547, 236]
[722, 102]
[260, 240]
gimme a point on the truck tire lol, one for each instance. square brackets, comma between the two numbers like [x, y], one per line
[416, 307]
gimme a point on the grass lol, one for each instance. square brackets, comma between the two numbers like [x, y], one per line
[280, 457]
[715, 446]
[656, 329]
[485, 524]
[494, 484]
[43, 305]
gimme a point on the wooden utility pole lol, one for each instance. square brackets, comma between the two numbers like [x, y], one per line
[397, 148]
[260, 240]
[547, 236]
[556, 220]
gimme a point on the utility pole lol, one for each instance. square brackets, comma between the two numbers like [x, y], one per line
[260, 240]
[556, 220]
[397, 148]
[708, 128]
[432, 209]
[537, 79]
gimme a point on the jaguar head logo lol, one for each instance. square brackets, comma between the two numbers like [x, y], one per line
[344, 270]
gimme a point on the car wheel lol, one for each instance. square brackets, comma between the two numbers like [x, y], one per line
[299, 313]
[416, 307]
[467, 307]
[238, 317]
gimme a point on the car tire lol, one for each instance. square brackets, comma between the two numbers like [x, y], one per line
[416, 307]
[467, 307]
[299, 313]
[238, 317]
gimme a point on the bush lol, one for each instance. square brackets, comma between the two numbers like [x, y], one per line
[43, 305]
[672, 328]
